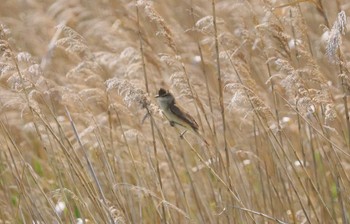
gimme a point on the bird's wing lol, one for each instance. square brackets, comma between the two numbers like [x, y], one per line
[185, 116]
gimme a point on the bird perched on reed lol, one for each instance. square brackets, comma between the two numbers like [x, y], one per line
[177, 116]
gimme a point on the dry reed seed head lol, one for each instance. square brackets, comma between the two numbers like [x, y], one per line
[71, 99]
[285, 66]
[35, 71]
[205, 25]
[7, 68]
[127, 64]
[236, 69]
[322, 95]
[5, 51]
[132, 135]
[334, 39]
[107, 60]
[87, 72]
[34, 96]
[17, 84]
[30, 129]
[73, 43]
[130, 93]
[230, 41]
[173, 61]
[30, 72]
[4, 32]
[345, 82]
[179, 81]
[9, 100]
[262, 109]
[311, 68]
[120, 108]
[24, 57]
[330, 113]
[295, 18]
[178, 77]
[274, 37]
[70, 33]
[304, 105]
[130, 54]
[163, 29]
[116, 214]
[238, 102]
[306, 99]
[93, 97]
[246, 101]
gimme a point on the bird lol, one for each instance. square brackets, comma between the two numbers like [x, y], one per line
[175, 114]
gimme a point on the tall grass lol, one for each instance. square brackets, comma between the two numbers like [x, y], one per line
[83, 140]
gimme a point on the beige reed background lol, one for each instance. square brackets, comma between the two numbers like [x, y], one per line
[83, 140]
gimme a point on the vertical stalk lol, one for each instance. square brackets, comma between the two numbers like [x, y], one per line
[221, 95]
[164, 219]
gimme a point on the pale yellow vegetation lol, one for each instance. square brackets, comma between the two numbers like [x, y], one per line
[83, 139]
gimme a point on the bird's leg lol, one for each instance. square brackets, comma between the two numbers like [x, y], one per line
[182, 134]
[172, 124]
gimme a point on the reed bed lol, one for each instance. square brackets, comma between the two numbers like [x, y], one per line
[84, 141]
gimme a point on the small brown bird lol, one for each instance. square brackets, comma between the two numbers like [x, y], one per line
[176, 115]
